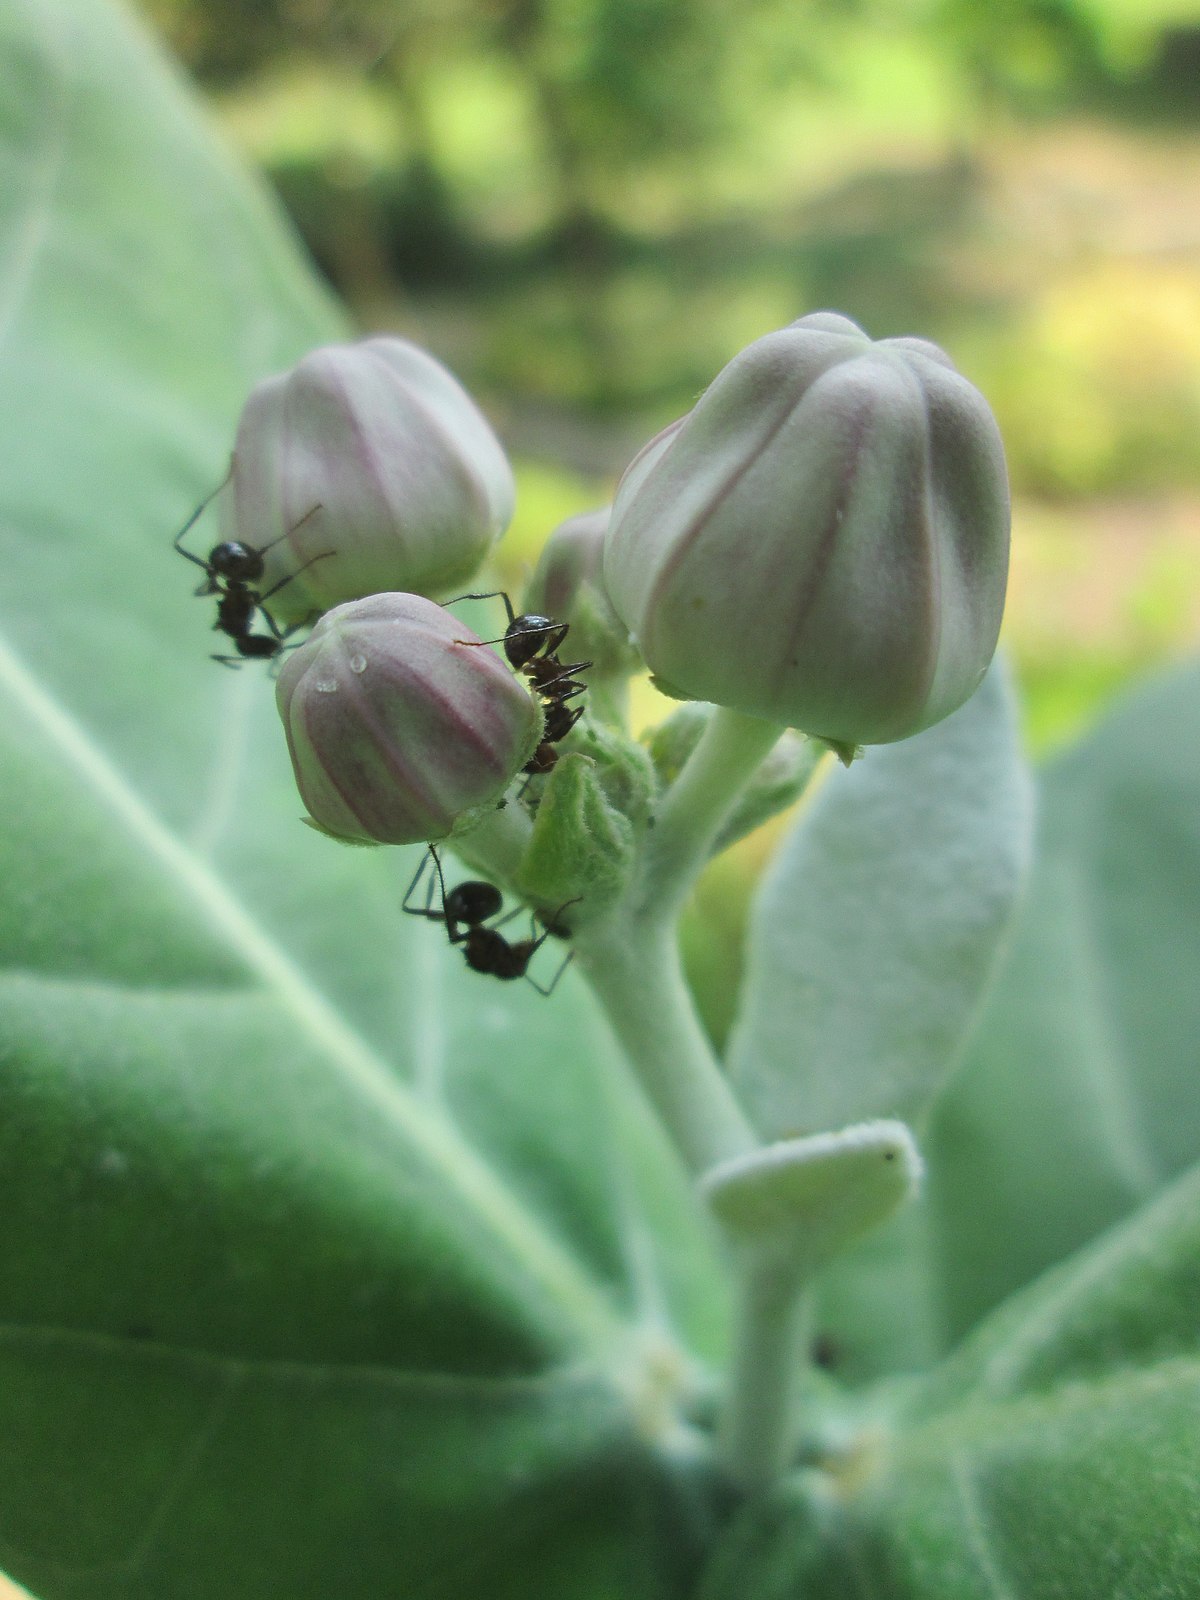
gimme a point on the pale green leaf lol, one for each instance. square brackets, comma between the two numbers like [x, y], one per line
[879, 922]
[1056, 1456]
[1078, 1099]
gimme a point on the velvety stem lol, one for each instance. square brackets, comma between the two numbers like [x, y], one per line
[636, 975]
[757, 1427]
[728, 754]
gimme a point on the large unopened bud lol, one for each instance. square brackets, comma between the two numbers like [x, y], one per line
[399, 732]
[368, 468]
[823, 540]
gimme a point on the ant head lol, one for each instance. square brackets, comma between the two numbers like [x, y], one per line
[528, 635]
[552, 923]
[241, 562]
[472, 902]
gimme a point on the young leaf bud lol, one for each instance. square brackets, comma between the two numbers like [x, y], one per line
[823, 540]
[568, 582]
[411, 483]
[582, 846]
[397, 731]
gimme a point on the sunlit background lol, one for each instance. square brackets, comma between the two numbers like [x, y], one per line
[585, 207]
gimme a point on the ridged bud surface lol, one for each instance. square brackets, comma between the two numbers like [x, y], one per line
[399, 733]
[412, 484]
[823, 540]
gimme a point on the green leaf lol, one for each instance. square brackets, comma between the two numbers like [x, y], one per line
[1132, 1297]
[1078, 1098]
[1056, 1456]
[878, 925]
[326, 1267]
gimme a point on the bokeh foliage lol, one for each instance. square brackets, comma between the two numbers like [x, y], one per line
[586, 206]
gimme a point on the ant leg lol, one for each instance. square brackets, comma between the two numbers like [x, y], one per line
[228, 661]
[551, 923]
[417, 911]
[194, 519]
[569, 688]
[492, 594]
[572, 719]
[548, 989]
[552, 926]
[276, 666]
[287, 532]
[283, 582]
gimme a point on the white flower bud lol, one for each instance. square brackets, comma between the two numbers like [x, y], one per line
[823, 540]
[411, 482]
[397, 731]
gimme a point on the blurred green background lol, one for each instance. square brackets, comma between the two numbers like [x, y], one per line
[585, 207]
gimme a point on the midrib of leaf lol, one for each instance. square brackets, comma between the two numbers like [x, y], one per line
[457, 1163]
[399, 1381]
[984, 1422]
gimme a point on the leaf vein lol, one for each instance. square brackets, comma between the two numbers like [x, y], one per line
[575, 1295]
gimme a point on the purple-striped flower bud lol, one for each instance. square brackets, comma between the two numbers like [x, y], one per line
[401, 725]
[823, 540]
[410, 481]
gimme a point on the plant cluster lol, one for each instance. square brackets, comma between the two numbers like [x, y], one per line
[819, 547]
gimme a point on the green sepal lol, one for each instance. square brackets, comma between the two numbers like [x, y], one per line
[582, 845]
[846, 752]
[626, 773]
[340, 838]
[671, 692]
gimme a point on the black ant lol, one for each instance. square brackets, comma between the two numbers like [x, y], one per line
[466, 913]
[231, 571]
[531, 643]
[526, 636]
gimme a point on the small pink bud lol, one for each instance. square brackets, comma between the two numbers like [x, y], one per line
[411, 482]
[823, 540]
[397, 732]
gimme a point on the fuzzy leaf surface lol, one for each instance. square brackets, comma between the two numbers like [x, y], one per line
[1055, 1456]
[327, 1267]
[1077, 1096]
[878, 925]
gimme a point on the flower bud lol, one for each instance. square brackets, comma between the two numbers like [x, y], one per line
[410, 481]
[568, 583]
[823, 540]
[399, 732]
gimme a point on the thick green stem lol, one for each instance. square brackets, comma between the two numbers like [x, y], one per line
[757, 1427]
[637, 977]
[730, 751]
